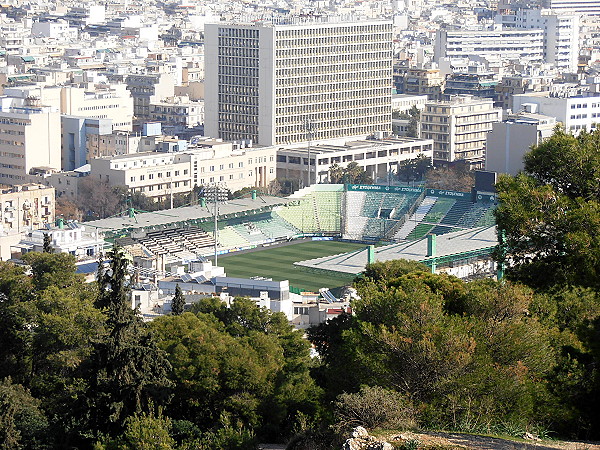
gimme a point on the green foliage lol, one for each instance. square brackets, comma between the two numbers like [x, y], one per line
[23, 424]
[128, 370]
[52, 270]
[243, 365]
[350, 174]
[178, 302]
[465, 353]
[375, 407]
[550, 215]
[48, 243]
[414, 169]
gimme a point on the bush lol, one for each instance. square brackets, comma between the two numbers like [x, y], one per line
[374, 407]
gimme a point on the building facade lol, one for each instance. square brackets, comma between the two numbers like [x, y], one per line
[497, 47]
[283, 84]
[459, 128]
[378, 158]
[509, 140]
[575, 112]
[160, 174]
[29, 137]
[26, 207]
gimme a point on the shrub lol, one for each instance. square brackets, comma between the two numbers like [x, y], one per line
[374, 407]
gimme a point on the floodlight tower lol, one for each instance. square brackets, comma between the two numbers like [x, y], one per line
[216, 193]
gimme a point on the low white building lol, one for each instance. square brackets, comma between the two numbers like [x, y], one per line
[181, 165]
[378, 157]
[576, 112]
[66, 237]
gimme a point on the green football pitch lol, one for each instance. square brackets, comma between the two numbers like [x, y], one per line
[277, 263]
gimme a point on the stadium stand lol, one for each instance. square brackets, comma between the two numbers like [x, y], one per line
[317, 209]
[418, 216]
[191, 241]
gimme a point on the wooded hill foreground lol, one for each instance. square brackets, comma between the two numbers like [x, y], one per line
[79, 369]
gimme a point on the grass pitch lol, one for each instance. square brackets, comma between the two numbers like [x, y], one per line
[277, 263]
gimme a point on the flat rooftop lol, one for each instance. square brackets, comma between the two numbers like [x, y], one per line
[367, 144]
[450, 244]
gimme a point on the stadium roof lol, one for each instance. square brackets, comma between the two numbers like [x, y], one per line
[170, 216]
[449, 246]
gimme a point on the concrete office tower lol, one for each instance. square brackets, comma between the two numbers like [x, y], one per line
[29, 137]
[459, 128]
[282, 84]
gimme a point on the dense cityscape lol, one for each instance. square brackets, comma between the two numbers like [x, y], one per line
[325, 224]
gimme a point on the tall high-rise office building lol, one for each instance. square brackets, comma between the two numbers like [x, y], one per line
[282, 84]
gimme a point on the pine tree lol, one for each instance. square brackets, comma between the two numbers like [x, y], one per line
[47, 244]
[178, 302]
[128, 370]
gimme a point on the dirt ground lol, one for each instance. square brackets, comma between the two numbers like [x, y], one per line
[467, 441]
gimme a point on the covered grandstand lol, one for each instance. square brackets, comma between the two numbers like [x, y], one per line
[364, 213]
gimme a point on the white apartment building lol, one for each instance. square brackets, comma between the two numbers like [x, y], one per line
[509, 140]
[379, 158]
[497, 47]
[149, 88]
[160, 174]
[402, 103]
[59, 29]
[177, 112]
[99, 101]
[587, 7]
[561, 34]
[459, 128]
[25, 207]
[29, 137]
[283, 84]
[576, 112]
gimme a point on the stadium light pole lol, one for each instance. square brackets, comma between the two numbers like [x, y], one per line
[309, 127]
[217, 192]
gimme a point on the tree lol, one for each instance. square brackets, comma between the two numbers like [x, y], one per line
[22, 422]
[178, 302]
[67, 209]
[128, 370]
[550, 215]
[350, 174]
[457, 177]
[470, 355]
[97, 199]
[49, 269]
[336, 174]
[48, 243]
[414, 169]
[412, 130]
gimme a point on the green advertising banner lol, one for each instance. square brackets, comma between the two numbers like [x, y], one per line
[381, 188]
[449, 194]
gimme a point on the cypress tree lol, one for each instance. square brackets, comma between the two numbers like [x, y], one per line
[178, 302]
[128, 371]
[47, 244]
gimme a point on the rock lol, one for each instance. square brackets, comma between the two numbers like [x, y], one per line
[360, 432]
[353, 444]
[361, 440]
[530, 436]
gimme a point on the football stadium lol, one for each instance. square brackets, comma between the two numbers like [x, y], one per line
[322, 235]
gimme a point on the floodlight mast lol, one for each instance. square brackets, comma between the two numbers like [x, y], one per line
[310, 128]
[218, 192]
